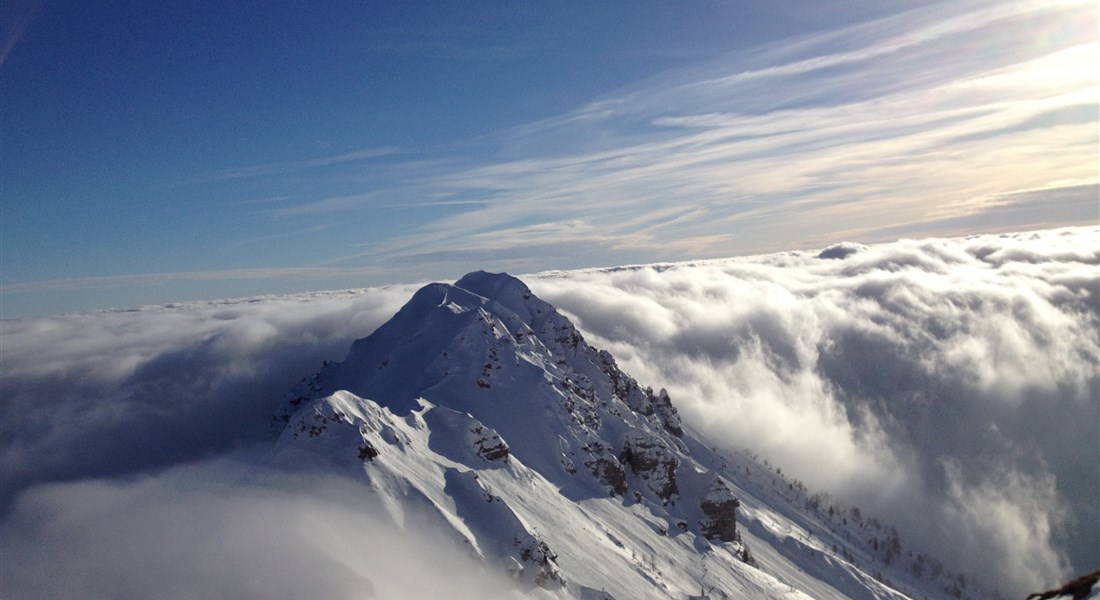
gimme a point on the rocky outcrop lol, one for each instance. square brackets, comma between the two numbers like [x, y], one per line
[1078, 589]
[606, 467]
[719, 508]
[642, 401]
[652, 461]
[367, 451]
[535, 556]
[464, 439]
[670, 418]
[488, 444]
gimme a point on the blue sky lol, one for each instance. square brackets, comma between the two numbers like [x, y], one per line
[153, 153]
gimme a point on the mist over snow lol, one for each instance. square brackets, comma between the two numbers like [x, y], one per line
[224, 529]
[950, 387]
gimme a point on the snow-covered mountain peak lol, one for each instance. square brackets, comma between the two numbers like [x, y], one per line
[486, 345]
[501, 287]
[482, 404]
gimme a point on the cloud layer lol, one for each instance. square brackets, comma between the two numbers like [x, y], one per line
[952, 386]
[949, 386]
[116, 392]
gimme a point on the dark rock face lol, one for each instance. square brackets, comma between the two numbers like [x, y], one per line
[611, 472]
[581, 401]
[650, 459]
[535, 553]
[719, 508]
[367, 451]
[641, 401]
[489, 445]
[670, 418]
[1078, 589]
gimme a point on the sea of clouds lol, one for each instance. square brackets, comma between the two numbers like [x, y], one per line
[951, 387]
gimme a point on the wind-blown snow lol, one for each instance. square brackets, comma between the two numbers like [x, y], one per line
[948, 386]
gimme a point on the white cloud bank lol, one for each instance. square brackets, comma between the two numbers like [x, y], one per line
[950, 386]
[113, 392]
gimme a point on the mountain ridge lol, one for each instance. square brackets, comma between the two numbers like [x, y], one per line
[485, 405]
[426, 349]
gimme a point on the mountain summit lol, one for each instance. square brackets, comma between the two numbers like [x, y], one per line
[482, 405]
[487, 347]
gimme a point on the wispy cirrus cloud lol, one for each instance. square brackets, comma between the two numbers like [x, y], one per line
[333, 204]
[277, 168]
[912, 119]
[112, 281]
[946, 119]
[915, 122]
[18, 17]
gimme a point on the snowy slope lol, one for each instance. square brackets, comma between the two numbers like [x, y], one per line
[481, 404]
